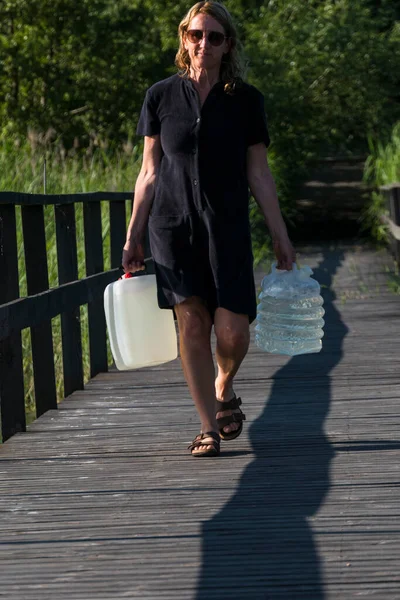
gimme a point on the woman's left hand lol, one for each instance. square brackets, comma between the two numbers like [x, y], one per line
[284, 252]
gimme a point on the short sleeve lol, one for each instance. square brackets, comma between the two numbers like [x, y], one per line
[257, 120]
[149, 123]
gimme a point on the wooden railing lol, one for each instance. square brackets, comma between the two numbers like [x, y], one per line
[42, 304]
[392, 217]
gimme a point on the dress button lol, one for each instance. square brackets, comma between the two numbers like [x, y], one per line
[198, 120]
[195, 182]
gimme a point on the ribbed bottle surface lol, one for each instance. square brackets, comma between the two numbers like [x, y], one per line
[289, 313]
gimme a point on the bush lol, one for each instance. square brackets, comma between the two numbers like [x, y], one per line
[381, 168]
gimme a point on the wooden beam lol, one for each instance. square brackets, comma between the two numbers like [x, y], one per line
[33, 310]
[17, 198]
[393, 228]
[118, 227]
[95, 264]
[41, 335]
[12, 393]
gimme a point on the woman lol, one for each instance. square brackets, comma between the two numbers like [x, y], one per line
[205, 139]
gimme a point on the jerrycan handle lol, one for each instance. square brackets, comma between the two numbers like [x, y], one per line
[137, 273]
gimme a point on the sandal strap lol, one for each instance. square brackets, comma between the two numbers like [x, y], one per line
[234, 418]
[199, 440]
[230, 405]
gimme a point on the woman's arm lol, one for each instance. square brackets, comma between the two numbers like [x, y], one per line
[133, 251]
[145, 186]
[262, 187]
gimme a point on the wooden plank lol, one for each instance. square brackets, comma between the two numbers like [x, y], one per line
[70, 320]
[117, 232]
[392, 218]
[304, 505]
[12, 393]
[95, 264]
[41, 335]
[19, 198]
[394, 204]
[395, 223]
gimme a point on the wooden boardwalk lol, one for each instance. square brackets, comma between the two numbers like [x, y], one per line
[100, 500]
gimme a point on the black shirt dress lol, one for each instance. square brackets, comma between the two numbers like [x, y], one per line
[199, 226]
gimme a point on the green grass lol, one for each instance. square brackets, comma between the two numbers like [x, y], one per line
[381, 168]
[93, 169]
[394, 280]
[383, 164]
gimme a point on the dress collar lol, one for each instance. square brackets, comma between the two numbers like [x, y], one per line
[190, 82]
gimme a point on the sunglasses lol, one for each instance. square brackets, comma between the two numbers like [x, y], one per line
[216, 38]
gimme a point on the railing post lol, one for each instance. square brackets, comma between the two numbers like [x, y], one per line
[70, 321]
[391, 194]
[95, 264]
[395, 216]
[38, 281]
[117, 231]
[12, 394]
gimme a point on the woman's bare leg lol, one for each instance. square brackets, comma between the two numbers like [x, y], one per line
[233, 336]
[194, 323]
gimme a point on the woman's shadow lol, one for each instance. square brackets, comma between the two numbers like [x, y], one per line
[260, 546]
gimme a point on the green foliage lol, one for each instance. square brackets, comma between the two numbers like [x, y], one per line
[371, 220]
[92, 169]
[382, 167]
[394, 282]
[78, 69]
[329, 74]
[383, 164]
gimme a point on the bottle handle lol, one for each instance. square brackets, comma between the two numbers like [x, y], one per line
[274, 268]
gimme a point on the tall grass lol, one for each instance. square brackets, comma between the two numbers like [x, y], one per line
[78, 170]
[383, 164]
[95, 169]
[381, 168]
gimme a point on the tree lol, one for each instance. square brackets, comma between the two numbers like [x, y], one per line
[329, 74]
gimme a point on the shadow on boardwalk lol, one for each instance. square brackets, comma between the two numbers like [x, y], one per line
[260, 546]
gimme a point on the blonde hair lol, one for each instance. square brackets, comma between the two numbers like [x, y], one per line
[231, 67]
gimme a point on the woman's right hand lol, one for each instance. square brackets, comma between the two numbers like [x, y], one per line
[133, 255]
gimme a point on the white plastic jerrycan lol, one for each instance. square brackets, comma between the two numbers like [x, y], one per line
[141, 334]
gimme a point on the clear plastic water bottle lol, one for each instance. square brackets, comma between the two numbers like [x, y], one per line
[289, 314]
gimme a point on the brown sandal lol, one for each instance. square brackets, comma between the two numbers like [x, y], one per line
[198, 442]
[233, 418]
